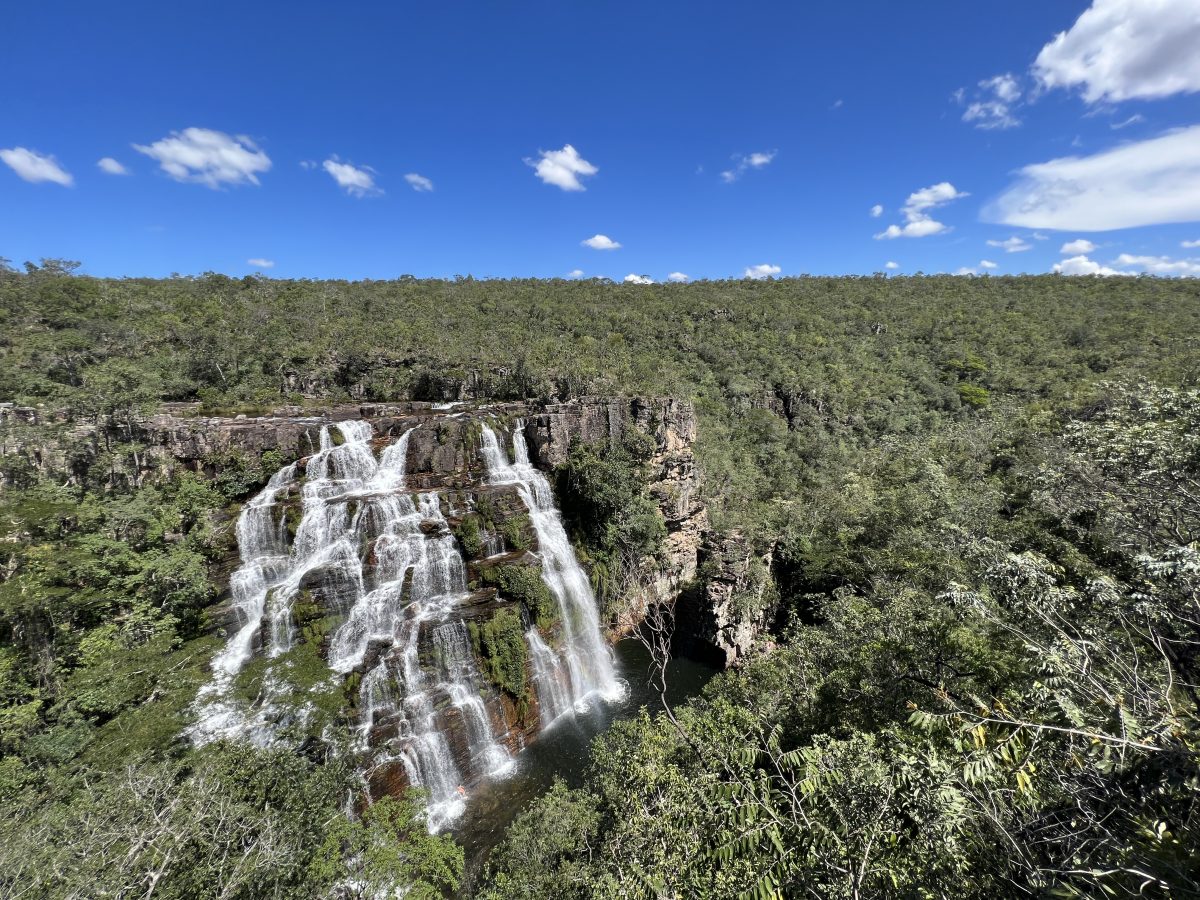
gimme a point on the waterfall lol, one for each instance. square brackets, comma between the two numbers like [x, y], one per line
[386, 562]
[586, 658]
[554, 696]
[460, 678]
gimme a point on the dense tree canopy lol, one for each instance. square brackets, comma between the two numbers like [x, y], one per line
[979, 500]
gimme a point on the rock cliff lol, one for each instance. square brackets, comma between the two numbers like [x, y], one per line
[716, 619]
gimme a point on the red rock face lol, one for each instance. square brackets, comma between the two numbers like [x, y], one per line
[387, 779]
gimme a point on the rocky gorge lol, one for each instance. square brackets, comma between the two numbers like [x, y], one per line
[405, 580]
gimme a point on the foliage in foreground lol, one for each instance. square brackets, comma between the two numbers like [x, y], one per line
[229, 821]
[1028, 728]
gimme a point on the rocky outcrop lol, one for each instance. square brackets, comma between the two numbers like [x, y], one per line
[675, 481]
[723, 619]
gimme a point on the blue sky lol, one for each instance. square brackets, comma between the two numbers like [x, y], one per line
[706, 139]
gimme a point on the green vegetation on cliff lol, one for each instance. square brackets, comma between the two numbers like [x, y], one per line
[602, 489]
[499, 642]
[524, 584]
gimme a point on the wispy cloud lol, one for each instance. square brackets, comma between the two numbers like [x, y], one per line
[260, 263]
[918, 222]
[1013, 244]
[678, 277]
[110, 166]
[987, 264]
[1150, 182]
[876, 210]
[761, 271]
[211, 158]
[1132, 120]
[993, 104]
[1160, 265]
[601, 242]
[357, 181]
[1189, 244]
[419, 183]
[562, 168]
[1125, 49]
[575, 273]
[743, 164]
[35, 167]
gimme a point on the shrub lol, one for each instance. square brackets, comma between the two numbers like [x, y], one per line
[524, 584]
[500, 645]
[469, 537]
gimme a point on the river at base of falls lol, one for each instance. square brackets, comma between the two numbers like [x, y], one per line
[564, 751]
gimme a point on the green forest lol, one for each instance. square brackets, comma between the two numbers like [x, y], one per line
[978, 500]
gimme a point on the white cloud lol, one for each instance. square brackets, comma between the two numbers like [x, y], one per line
[1149, 182]
[987, 264]
[208, 157]
[357, 181]
[1161, 265]
[1013, 244]
[631, 278]
[753, 161]
[965, 271]
[933, 196]
[891, 265]
[920, 228]
[677, 276]
[562, 168]
[1004, 86]
[575, 273]
[1122, 49]
[992, 107]
[1132, 120]
[261, 263]
[601, 242]
[876, 211]
[1083, 245]
[1081, 265]
[1189, 244]
[110, 166]
[765, 270]
[34, 167]
[918, 222]
[419, 183]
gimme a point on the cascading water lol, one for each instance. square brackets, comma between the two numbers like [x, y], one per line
[387, 563]
[585, 657]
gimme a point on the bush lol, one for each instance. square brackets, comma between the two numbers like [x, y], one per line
[973, 395]
[524, 584]
[500, 645]
[469, 537]
[514, 532]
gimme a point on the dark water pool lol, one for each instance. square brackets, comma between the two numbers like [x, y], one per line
[564, 751]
